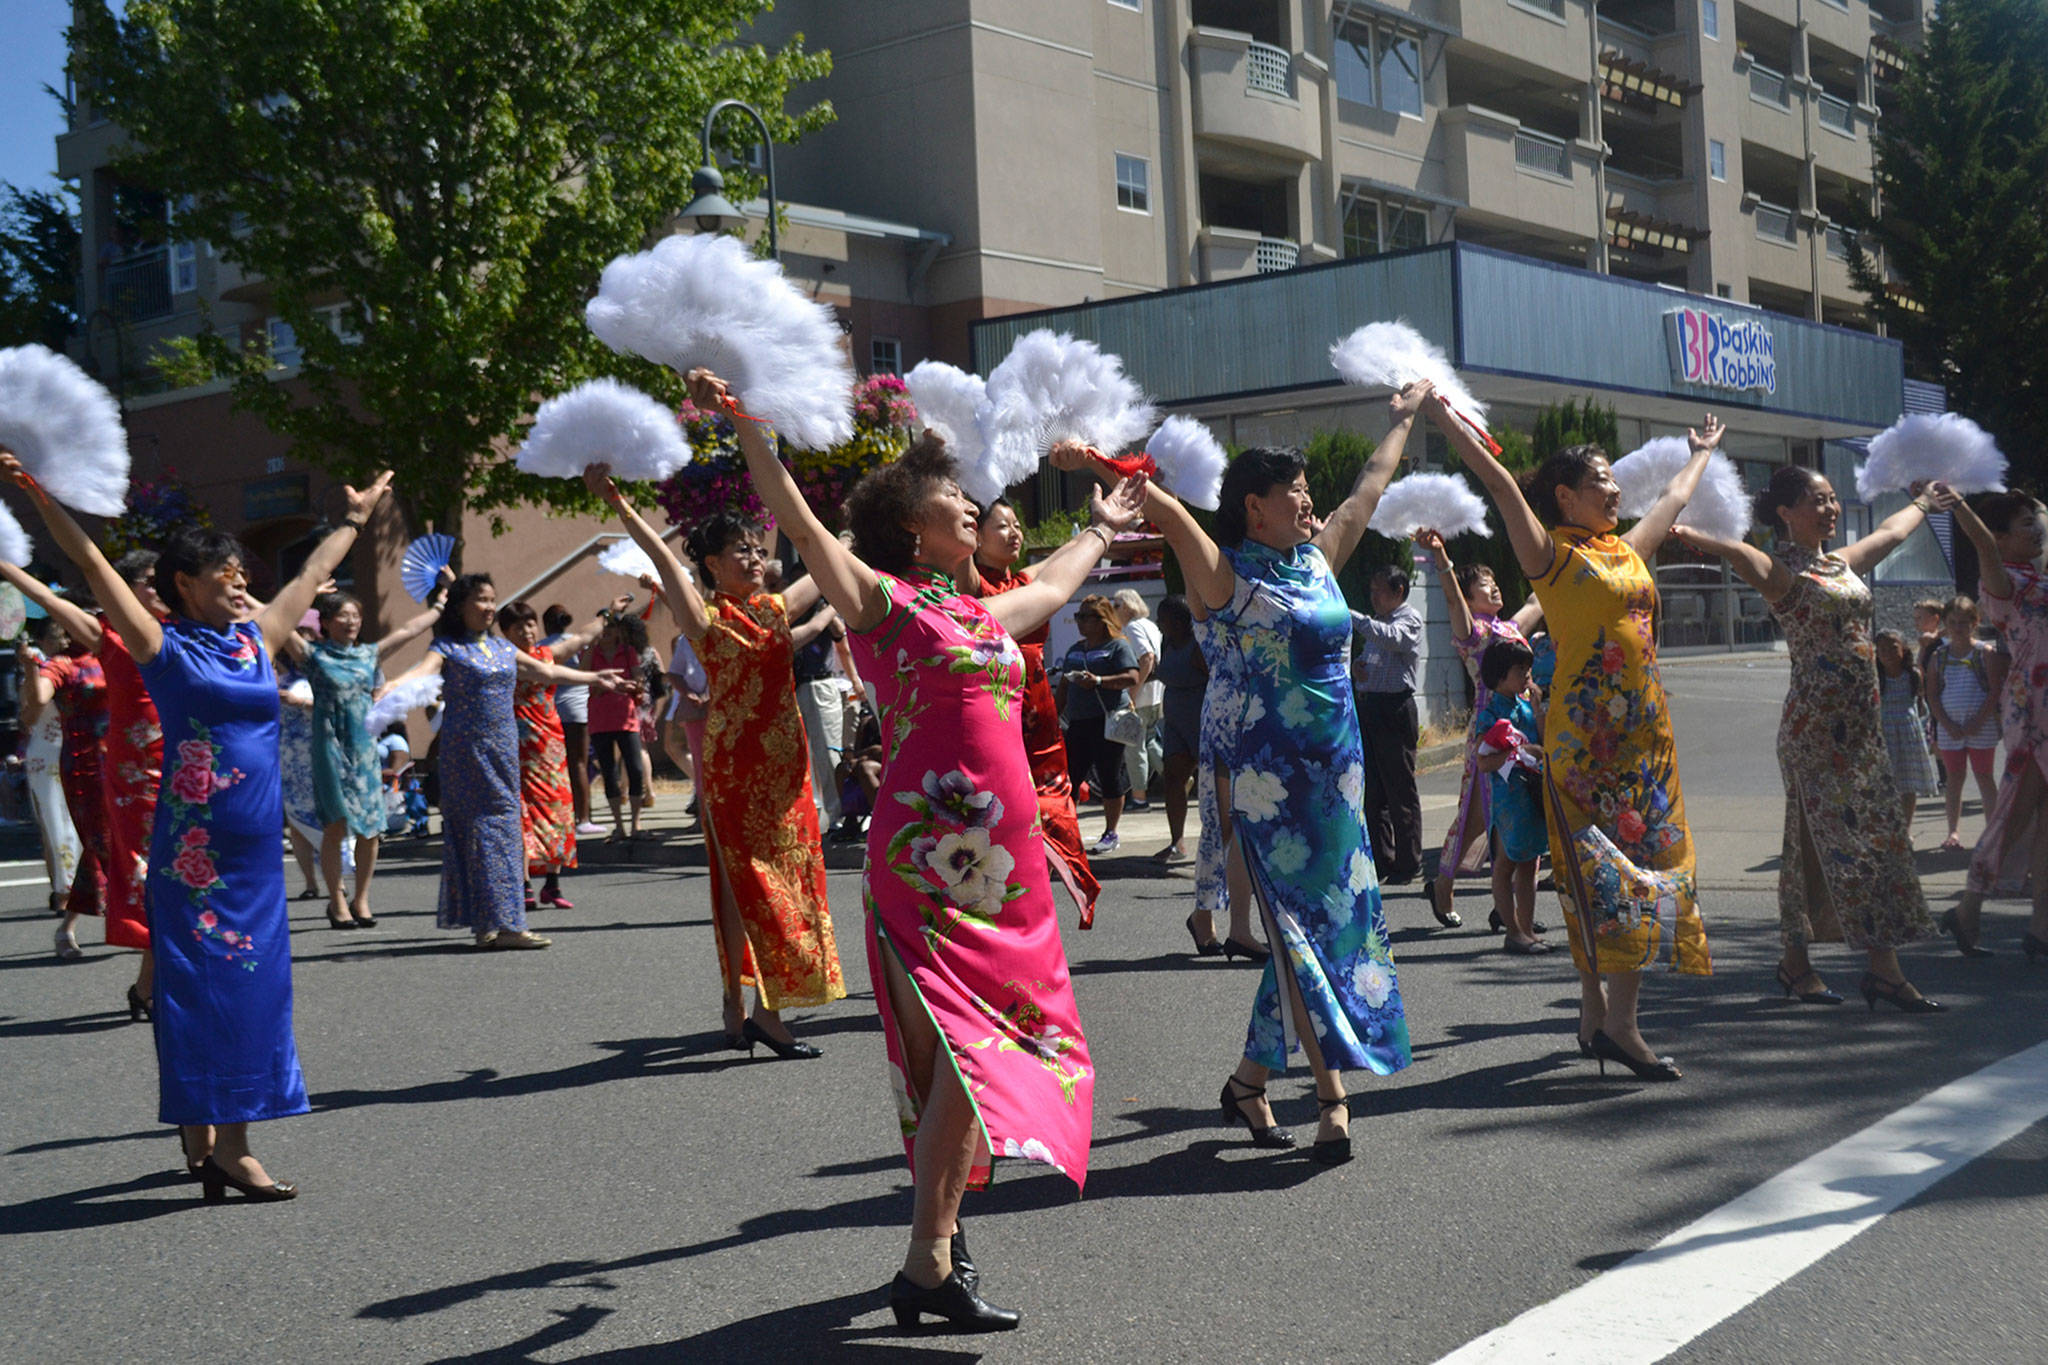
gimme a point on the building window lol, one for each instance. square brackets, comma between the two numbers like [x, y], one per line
[1371, 227]
[1710, 18]
[284, 342]
[1361, 228]
[1717, 159]
[1723, 291]
[184, 267]
[1128, 4]
[1406, 228]
[1380, 67]
[1133, 183]
[885, 356]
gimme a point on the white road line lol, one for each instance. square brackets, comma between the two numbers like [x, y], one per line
[29, 881]
[1655, 1302]
[33, 862]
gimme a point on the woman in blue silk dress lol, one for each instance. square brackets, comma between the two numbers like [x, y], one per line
[483, 862]
[1295, 789]
[348, 770]
[217, 920]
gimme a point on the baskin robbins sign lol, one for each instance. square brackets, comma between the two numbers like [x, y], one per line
[1720, 353]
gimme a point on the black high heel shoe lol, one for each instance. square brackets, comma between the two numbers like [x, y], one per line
[1235, 1092]
[1337, 1150]
[1951, 926]
[1213, 948]
[1876, 988]
[963, 1264]
[1257, 954]
[191, 1167]
[214, 1183]
[754, 1033]
[1494, 923]
[138, 1006]
[1822, 996]
[1606, 1050]
[2033, 947]
[952, 1299]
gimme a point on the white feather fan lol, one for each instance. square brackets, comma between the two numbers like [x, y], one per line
[15, 547]
[1392, 355]
[705, 301]
[1720, 506]
[1922, 448]
[403, 697]
[65, 428]
[1190, 460]
[953, 404]
[1443, 503]
[602, 421]
[1051, 388]
[300, 692]
[626, 559]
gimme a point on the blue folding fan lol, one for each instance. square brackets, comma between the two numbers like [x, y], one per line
[423, 562]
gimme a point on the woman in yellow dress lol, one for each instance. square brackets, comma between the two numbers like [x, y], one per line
[1618, 838]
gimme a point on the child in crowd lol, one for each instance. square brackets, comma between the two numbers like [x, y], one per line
[1963, 682]
[1898, 687]
[1510, 752]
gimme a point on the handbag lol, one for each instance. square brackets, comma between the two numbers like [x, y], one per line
[1123, 725]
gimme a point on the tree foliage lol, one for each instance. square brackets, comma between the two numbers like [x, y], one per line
[453, 174]
[1962, 172]
[1586, 422]
[38, 267]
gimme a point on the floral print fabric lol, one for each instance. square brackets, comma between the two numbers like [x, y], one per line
[224, 1044]
[1297, 805]
[483, 865]
[1223, 707]
[957, 888]
[1847, 868]
[1618, 836]
[42, 764]
[1465, 844]
[547, 810]
[348, 780]
[80, 685]
[759, 813]
[135, 757]
[2000, 862]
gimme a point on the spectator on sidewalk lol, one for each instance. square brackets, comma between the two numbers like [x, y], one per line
[821, 700]
[1384, 677]
[1142, 760]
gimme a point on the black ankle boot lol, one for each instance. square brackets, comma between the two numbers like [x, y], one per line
[951, 1300]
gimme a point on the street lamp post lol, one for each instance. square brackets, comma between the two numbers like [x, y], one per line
[708, 204]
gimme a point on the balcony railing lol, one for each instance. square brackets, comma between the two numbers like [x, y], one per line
[1775, 223]
[1770, 86]
[1543, 154]
[1838, 114]
[138, 288]
[1269, 70]
[1839, 242]
[1276, 254]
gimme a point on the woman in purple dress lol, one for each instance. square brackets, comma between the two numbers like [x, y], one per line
[483, 864]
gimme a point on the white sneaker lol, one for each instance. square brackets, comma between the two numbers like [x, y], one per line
[1106, 844]
[586, 829]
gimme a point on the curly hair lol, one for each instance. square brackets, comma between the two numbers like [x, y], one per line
[1568, 468]
[1255, 472]
[715, 535]
[886, 499]
[632, 630]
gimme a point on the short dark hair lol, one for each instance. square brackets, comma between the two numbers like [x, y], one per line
[328, 603]
[1789, 483]
[1568, 468]
[1500, 656]
[1469, 574]
[631, 627]
[137, 566]
[1255, 472]
[981, 517]
[514, 613]
[714, 536]
[460, 593]
[1960, 605]
[886, 498]
[192, 550]
[555, 618]
[1998, 511]
[1393, 578]
[1175, 610]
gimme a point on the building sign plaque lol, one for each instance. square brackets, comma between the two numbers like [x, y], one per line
[1720, 353]
[280, 495]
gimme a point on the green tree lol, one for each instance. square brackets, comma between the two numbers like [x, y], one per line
[1585, 422]
[38, 267]
[454, 175]
[1962, 175]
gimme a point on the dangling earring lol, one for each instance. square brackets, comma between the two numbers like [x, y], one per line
[917, 544]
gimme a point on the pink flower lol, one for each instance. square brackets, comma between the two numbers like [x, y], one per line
[196, 838]
[194, 867]
[192, 785]
[207, 919]
[196, 753]
[1612, 658]
[1631, 826]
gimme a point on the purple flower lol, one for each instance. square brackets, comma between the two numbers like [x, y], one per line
[955, 795]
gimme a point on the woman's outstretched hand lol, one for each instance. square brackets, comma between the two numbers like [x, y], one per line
[1708, 436]
[613, 680]
[708, 391]
[598, 479]
[1070, 455]
[361, 504]
[1122, 508]
[12, 472]
[1409, 399]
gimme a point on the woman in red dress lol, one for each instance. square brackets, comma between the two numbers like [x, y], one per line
[991, 571]
[760, 821]
[77, 683]
[547, 803]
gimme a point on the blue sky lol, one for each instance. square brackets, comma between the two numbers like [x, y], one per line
[32, 36]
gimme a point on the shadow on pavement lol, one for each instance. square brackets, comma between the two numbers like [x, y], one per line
[77, 1023]
[98, 1206]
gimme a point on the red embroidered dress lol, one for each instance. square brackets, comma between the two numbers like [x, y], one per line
[135, 761]
[81, 696]
[547, 811]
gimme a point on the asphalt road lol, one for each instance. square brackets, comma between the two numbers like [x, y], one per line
[544, 1156]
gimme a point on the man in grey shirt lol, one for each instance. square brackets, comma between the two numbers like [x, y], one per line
[1383, 673]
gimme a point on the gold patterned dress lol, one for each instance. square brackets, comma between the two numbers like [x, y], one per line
[1847, 870]
[1618, 836]
[757, 807]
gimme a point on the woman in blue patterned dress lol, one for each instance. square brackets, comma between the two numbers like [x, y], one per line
[483, 862]
[1295, 788]
[1221, 882]
[217, 919]
[348, 771]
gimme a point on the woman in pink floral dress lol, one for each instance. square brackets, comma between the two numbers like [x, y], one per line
[2009, 533]
[985, 1046]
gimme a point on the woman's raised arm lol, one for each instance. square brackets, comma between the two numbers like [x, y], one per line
[281, 616]
[80, 624]
[1533, 550]
[683, 599]
[139, 628]
[1061, 574]
[1765, 573]
[1647, 535]
[1346, 527]
[437, 602]
[848, 584]
[1889, 534]
[1210, 579]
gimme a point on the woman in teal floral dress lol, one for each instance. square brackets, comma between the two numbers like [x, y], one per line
[1296, 790]
[348, 775]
